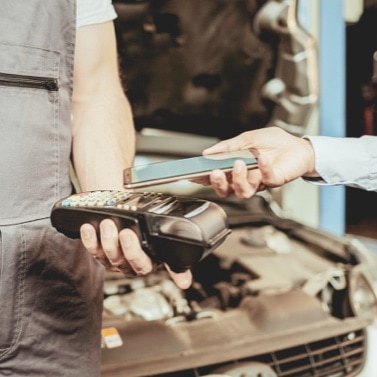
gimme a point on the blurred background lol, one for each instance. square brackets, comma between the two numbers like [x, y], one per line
[216, 68]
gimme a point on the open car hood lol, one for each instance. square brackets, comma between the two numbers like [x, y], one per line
[274, 297]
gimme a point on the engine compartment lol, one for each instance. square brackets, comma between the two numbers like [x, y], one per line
[273, 286]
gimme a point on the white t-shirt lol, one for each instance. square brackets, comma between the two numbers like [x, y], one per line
[94, 11]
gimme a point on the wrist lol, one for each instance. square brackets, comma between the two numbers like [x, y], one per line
[310, 159]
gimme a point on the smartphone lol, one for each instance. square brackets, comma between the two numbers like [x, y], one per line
[158, 173]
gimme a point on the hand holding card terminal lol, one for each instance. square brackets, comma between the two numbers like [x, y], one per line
[177, 230]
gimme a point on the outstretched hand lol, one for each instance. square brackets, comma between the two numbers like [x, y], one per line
[121, 252]
[281, 156]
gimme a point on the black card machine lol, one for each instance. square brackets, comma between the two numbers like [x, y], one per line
[177, 230]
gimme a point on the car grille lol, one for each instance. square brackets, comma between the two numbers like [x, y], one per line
[339, 356]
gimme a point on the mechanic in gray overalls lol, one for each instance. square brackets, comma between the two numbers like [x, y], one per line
[50, 287]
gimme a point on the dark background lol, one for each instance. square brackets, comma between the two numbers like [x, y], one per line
[361, 43]
[196, 66]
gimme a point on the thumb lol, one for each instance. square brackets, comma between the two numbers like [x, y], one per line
[229, 145]
[217, 148]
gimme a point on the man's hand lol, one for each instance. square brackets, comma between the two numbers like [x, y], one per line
[121, 251]
[281, 156]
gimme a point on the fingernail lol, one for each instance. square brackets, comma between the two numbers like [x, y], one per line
[85, 232]
[126, 240]
[106, 231]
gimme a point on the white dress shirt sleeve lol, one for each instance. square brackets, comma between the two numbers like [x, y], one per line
[346, 161]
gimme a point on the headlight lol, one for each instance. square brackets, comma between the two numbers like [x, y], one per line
[362, 296]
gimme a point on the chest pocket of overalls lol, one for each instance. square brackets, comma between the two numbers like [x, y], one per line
[29, 106]
[29, 125]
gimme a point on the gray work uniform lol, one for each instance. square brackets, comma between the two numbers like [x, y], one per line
[50, 288]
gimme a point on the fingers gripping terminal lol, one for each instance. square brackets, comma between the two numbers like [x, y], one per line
[177, 230]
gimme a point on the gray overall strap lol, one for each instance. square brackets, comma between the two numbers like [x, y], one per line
[37, 39]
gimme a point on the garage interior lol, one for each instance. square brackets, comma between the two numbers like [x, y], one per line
[273, 300]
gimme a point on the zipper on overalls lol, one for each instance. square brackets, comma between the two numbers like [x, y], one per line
[32, 82]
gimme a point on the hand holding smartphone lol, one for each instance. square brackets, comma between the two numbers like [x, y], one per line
[184, 169]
